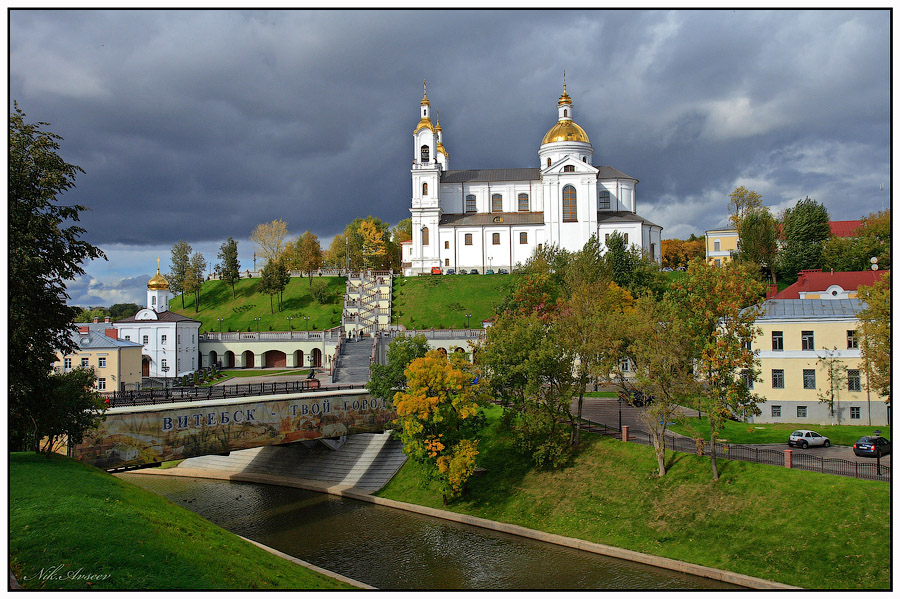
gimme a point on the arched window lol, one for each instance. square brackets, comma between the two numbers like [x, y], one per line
[446, 245]
[523, 238]
[495, 239]
[523, 202]
[568, 169]
[570, 201]
[470, 203]
[584, 158]
[496, 203]
[425, 153]
[604, 199]
[424, 189]
[548, 162]
[424, 235]
[565, 112]
[468, 239]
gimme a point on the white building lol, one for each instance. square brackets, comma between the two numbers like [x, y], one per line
[496, 218]
[170, 341]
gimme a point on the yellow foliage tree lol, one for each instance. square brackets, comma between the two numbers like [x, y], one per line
[439, 416]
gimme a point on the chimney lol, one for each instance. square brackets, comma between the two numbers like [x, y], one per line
[112, 333]
[106, 319]
[771, 292]
[83, 329]
[96, 319]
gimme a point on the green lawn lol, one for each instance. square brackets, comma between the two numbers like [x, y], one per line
[65, 516]
[749, 433]
[801, 528]
[443, 301]
[239, 313]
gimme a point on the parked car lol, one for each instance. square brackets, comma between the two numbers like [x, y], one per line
[435, 270]
[474, 271]
[667, 269]
[489, 271]
[462, 271]
[872, 447]
[503, 271]
[451, 271]
[805, 438]
[636, 398]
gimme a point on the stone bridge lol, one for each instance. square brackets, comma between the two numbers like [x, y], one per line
[136, 435]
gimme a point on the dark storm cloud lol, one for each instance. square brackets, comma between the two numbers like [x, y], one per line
[198, 125]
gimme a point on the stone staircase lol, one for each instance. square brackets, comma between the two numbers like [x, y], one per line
[367, 303]
[353, 362]
[366, 461]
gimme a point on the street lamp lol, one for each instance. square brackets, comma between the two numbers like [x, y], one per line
[290, 324]
[257, 319]
[490, 259]
[306, 318]
[620, 410]
[220, 324]
[468, 316]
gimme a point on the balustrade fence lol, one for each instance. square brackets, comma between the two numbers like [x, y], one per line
[748, 453]
[147, 397]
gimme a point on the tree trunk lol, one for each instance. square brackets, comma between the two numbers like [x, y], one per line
[271, 305]
[578, 419]
[712, 456]
[659, 443]
[232, 291]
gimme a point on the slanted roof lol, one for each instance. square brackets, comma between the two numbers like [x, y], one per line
[811, 281]
[611, 217]
[811, 309]
[166, 316]
[491, 174]
[844, 228]
[95, 340]
[608, 172]
[488, 218]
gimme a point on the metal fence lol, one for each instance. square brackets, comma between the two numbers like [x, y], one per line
[748, 453]
[149, 397]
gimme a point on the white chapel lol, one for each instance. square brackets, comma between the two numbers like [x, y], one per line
[495, 218]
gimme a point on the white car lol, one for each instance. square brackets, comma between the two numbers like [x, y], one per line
[805, 438]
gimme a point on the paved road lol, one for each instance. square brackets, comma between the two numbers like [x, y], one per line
[606, 411]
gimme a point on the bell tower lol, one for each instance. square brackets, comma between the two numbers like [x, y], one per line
[158, 292]
[428, 157]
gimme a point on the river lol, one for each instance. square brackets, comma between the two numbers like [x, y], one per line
[393, 549]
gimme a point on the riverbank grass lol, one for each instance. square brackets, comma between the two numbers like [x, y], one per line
[800, 528]
[68, 517]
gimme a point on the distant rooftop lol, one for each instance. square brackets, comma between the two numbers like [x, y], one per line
[779, 309]
[95, 340]
[811, 281]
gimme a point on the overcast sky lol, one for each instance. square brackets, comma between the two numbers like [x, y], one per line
[201, 125]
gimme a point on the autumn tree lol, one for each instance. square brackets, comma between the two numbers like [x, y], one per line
[835, 377]
[719, 305]
[805, 230]
[45, 251]
[439, 418]
[401, 232]
[193, 277]
[181, 260]
[741, 202]
[229, 266]
[872, 239]
[630, 268]
[389, 378]
[269, 237]
[677, 253]
[373, 243]
[655, 342]
[759, 240]
[272, 281]
[875, 335]
[308, 254]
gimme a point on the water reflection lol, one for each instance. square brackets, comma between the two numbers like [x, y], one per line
[393, 549]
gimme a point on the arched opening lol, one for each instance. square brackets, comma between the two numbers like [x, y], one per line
[298, 358]
[228, 360]
[247, 358]
[442, 351]
[568, 169]
[548, 162]
[213, 359]
[145, 366]
[275, 359]
[496, 203]
[424, 189]
[425, 153]
[570, 201]
[565, 112]
[425, 238]
[523, 202]
[470, 203]
[317, 357]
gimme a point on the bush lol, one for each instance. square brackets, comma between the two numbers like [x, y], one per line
[322, 293]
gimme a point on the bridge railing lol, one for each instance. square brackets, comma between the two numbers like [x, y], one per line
[329, 334]
[148, 397]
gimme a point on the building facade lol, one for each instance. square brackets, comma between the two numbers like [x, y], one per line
[491, 219]
[721, 245]
[116, 363]
[797, 339]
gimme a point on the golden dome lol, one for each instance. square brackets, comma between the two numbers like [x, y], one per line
[157, 282]
[564, 98]
[440, 148]
[566, 131]
[424, 123]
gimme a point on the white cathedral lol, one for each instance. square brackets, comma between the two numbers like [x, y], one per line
[495, 218]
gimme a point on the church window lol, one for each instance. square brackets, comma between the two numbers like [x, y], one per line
[570, 209]
[607, 238]
[146, 340]
[468, 239]
[568, 169]
[127, 337]
[164, 365]
[424, 189]
[425, 153]
[446, 261]
[626, 238]
[523, 238]
[604, 199]
[540, 246]
[153, 301]
[470, 203]
[162, 340]
[425, 236]
[565, 112]
[495, 239]
[446, 245]
[523, 202]
[496, 203]
[548, 162]
[584, 158]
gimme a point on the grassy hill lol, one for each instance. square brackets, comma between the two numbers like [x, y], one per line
[443, 301]
[238, 314]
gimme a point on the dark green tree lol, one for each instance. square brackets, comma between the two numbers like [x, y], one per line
[45, 251]
[181, 261]
[120, 311]
[229, 266]
[389, 378]
[69, 407]
[193, 277]
[805, 230]
[630, 268]
[758, 243]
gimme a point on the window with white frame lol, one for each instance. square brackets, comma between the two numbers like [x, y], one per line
[162, 339]
[85, 362]
[855, 412]
[801, 411]
[604, 199]
[778, 378]
[853, 380]
[776, 411]
[777, 341]
[470, 203]
[851, 339]
[101, 362]
[163, 365]
[747, 377]
[807, 341]
[101, 384]
[809, 378]
[67, 363]
[145, 339]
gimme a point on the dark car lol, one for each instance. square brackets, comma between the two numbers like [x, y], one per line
[451, 271]
[489, 272]
[637, 398]
[872, 447]
[474, 271]
[503, 271]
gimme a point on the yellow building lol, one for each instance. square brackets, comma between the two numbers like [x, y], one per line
[116, 363]
[720, 245]
[796, 335]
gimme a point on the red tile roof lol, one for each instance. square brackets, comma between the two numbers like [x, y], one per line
[844, 228]
[811, 281]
